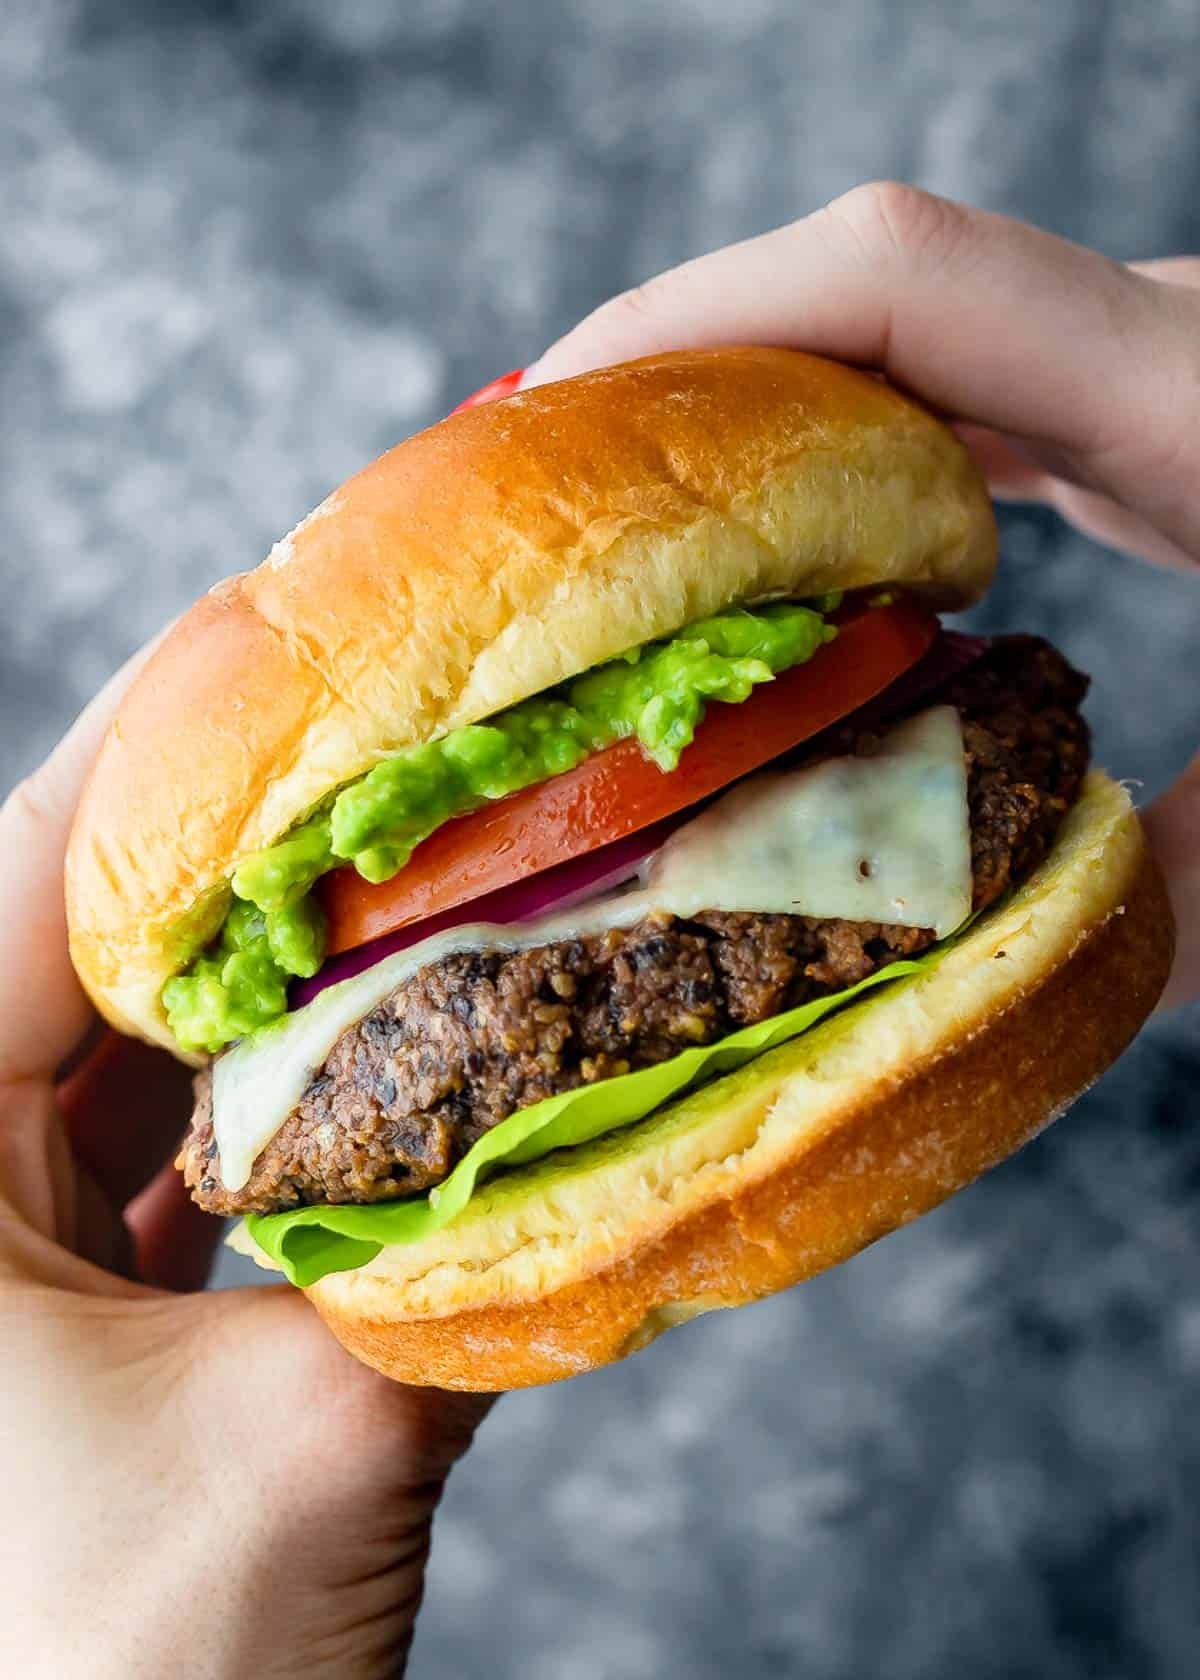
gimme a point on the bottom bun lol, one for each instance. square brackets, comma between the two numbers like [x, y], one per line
[797, 1161]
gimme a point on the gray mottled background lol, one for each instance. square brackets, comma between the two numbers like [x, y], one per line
[243, 246]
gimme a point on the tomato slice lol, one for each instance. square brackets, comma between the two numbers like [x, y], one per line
[504, 386]
[619, 791]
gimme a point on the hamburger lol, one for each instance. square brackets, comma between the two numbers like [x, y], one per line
[592, 885]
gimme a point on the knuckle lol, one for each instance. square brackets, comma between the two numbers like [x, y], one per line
[28, 805]
[891, 220]
[637, 306]
[630, 324]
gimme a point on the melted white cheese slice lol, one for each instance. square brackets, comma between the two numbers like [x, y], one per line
[884, 838]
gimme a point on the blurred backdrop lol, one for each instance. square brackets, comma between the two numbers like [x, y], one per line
[245, 245]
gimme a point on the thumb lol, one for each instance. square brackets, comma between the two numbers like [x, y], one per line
[988, 319]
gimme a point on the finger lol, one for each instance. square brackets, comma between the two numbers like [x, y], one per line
[125, 1108]
[37, 1182]
[174, 1240]
[44, 1195]
[1110, 524]
[1011, 471]
[43, 1009]
[1174, 271]
[71, 1158]
[990, 320]
[1018, 472]
[1173, 824]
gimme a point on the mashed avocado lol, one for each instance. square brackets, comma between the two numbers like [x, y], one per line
[656, 693]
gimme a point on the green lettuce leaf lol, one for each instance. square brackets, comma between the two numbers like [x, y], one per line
[314, 1241]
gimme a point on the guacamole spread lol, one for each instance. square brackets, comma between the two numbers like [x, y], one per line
[656, 693]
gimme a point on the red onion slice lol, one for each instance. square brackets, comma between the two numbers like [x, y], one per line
[551, 889]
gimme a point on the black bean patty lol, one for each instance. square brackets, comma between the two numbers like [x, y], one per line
[466, 1041]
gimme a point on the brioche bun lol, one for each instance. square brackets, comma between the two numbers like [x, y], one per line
[478, 563]
[798, 1160]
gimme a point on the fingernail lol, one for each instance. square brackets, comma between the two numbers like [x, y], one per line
[504, 386]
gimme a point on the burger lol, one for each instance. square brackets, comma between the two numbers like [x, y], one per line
[592, 885]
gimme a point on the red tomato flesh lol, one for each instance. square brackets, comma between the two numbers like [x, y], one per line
[619, 791]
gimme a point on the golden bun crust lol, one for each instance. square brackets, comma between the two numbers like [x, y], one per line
[477, 563]
[799, 1160]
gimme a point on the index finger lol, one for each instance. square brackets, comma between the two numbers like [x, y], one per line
[989, 319]
[43, 1009]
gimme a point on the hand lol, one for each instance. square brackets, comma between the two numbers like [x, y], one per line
[194, 1484]
[1075, 379]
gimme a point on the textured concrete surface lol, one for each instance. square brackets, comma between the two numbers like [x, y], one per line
[243, 246]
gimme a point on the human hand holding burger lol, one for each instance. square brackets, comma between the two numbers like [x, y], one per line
[153, 1416]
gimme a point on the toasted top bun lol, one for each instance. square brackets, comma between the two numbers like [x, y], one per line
[798, 1160]
[488, 558]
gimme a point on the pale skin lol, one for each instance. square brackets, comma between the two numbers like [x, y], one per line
[204, 1484]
